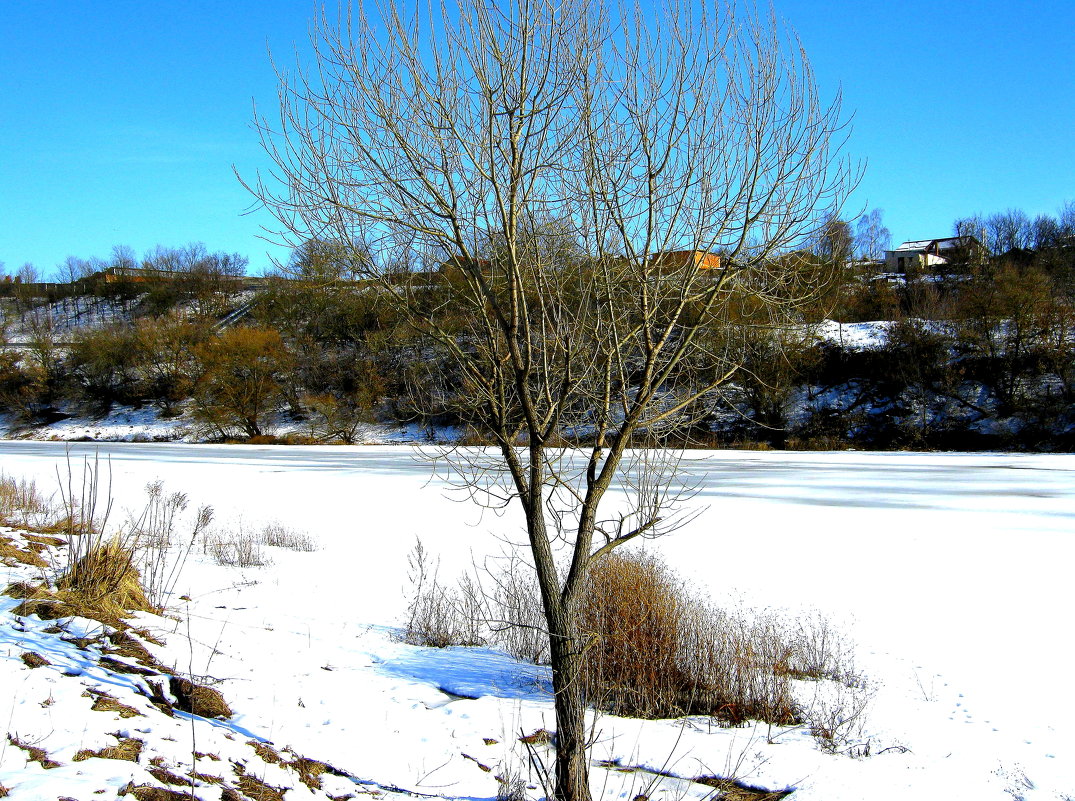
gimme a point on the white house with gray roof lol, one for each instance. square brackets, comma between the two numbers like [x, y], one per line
[929, 254]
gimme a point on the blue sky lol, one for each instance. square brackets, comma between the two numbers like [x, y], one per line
[120, 121]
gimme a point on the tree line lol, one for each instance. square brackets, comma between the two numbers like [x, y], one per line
[976, 354]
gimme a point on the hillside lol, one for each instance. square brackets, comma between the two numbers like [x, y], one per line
[315, 363]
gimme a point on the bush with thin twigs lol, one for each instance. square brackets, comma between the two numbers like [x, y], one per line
[514, 614]
[441, 616]
[837, 718]
[160, 559]
[276, 535]
[20, 502]
[240, 548]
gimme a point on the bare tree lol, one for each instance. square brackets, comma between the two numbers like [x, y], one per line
[28, 273]
[564, 199]
[872, 237]
[1008, 230]
[835, 243]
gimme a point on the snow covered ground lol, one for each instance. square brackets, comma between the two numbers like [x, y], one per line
[145, 424]
[950, 571]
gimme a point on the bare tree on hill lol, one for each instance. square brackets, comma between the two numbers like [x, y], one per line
[568, 201]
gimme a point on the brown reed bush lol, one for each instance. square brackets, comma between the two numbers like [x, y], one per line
[652, 649]
[634, 614]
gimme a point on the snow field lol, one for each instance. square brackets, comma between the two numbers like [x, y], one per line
[949, 571]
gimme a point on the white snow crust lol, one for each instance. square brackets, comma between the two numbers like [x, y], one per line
[950, 571]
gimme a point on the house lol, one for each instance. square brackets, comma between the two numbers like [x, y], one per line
[927, 255]
[675, 259]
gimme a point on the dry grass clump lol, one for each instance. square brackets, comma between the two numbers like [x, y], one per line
[104, 582]
[735, 790]
[35, 754]
[265, 752]
[127, 749]
[165, 776]
[22, 590]
[32, 659]
[147, 792]
[309, 770]
[276, 535]
[103, 702]
[121, 643]
[20, 502]
[198, 699]
[240, 548]
[11, 554]
[254, 788]
[46, 608]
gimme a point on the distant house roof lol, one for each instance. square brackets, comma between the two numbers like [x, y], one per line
[942, 243]
[701, 259]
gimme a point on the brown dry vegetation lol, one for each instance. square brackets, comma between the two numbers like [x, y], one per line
[126, 748]
[33, 660]
[198, 699]
[105, 580]
[652, 650]
[103, 702]
[11, 554]
[20, 502]
[147, 792]
[656, 653]
[254, 788]
[36, 754]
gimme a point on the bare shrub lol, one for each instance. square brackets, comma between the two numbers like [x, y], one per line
[510, 785]
[21, 503]
[440, 616]
[160, 558]
[738, 667]
[240, 548]
[276, 535]
[821, 651]
[516, 619]
[837, 718]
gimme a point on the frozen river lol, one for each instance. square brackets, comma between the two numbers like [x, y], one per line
[952, 571]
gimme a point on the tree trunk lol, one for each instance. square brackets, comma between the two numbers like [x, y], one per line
[572, 765]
